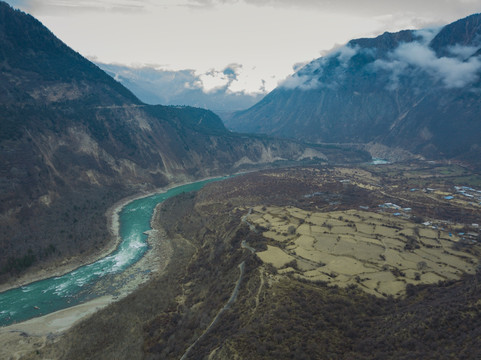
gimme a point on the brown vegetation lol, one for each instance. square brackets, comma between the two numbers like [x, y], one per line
[276, 315]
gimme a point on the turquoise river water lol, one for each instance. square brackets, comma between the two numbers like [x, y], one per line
[56, 293]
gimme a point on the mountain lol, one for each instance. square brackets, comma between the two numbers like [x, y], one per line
[415, 90]
[73, 141]
[184, 87]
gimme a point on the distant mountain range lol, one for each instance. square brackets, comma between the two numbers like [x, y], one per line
[415, 90]
[184, 87]
[73, 141]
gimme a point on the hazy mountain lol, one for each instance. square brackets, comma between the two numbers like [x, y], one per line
[184, 87]
[418, 90]
[73, 141]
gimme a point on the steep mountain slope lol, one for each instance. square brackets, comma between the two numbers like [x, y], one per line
[419, 90]
[73, 141]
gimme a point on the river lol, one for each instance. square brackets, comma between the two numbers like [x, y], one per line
[76, 287]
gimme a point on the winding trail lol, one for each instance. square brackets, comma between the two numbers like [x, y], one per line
[227, 306]
[251, 226]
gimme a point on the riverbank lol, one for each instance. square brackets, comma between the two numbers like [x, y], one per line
[31, 335]
[20, 339]
[166, 315]
[71, 263]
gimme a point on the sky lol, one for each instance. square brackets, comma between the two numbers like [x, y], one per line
[248, 46]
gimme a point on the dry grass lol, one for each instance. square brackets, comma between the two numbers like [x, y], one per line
[380, 253]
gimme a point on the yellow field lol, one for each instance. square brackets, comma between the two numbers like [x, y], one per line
[380, 253]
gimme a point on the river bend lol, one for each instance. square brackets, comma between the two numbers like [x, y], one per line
[78, 286]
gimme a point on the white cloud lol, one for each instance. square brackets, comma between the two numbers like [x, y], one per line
[463, 52]
[213, 80]
[308, 77]
[233, 79]
[456, 71]
[453, 72]
[299, 65]
[394, 67]
[428, 34]
[214, 89]
[345, 53]
[371, 6]
[62, 7]
[268, 35]
[303, 82]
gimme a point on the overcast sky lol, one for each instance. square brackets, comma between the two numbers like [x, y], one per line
[261, 40]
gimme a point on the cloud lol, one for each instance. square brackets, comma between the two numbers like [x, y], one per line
[309, 76]
[302, 82]
[425, 36]
[67, 6]
[215, 80]
[366, 7]
[306, 78]
[299, 65]
[345, 53]
[463, 52]
[213, 89]
[394, 67]
[232, 71]
[457, 71]
[18, 3]
[426, 10]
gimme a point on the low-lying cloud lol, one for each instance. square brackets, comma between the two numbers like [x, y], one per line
[463, 52]
[309, 76]
[213, 89]
[302, 82]
[459, 70]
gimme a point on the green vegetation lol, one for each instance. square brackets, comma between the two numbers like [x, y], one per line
[73, 223]
[16, 265]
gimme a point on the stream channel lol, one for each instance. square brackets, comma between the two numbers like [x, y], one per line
[78, 286]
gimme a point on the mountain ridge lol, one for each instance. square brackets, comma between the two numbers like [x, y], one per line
[415, 89]
[73, 141]
[29, 46]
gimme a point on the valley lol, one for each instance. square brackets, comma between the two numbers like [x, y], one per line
[350, 231]
[73, 142]
[119, 272]
[378, 275]
[409, 89]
